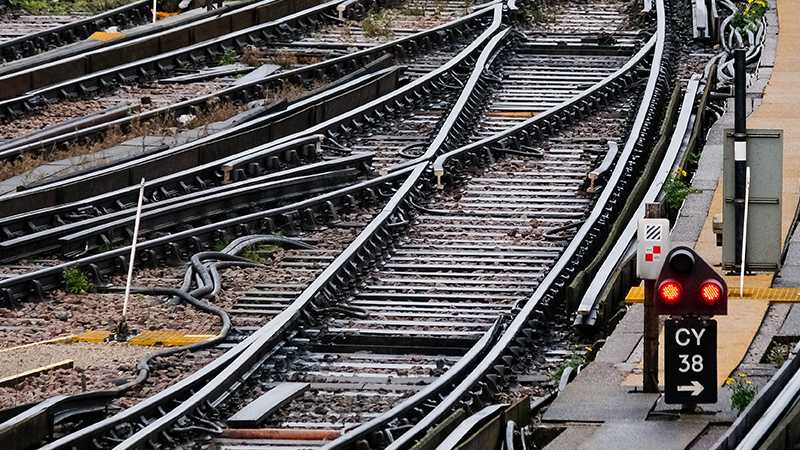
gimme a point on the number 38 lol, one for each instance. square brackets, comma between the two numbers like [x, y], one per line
[695, 365]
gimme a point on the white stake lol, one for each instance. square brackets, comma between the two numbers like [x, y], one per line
[744, 231]
[133, 250]
[154, 10]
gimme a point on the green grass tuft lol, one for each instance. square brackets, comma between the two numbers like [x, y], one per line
[76, 282]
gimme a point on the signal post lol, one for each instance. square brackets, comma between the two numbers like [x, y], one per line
[690, 292]
[684, 287]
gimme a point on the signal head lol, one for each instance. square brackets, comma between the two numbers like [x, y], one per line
[689, 285]
[682, 260]
[670, 291]
[710, 292]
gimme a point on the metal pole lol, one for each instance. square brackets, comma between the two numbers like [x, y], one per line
[133, 251]
[744, 234]
[155, 7]
[739, 145]
[650, 356]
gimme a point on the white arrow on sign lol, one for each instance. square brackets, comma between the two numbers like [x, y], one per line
[696, 388]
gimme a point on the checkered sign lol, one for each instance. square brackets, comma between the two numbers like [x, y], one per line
[653, 240]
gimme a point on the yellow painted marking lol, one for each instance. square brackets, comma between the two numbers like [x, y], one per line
[775, 295]
[167, 339]
[106, 36]
[522, 114]
[164, 338]
[93, 337]
[735, 332]
[14, 379]
[58, 340]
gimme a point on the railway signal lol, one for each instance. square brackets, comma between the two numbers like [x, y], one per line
[688, 285]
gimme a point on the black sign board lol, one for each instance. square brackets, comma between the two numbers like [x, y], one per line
[690, 361]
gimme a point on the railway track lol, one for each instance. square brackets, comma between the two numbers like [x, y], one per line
[448, 37]
[45, 219]
[331, 41]
[435, 286]
[306, 27]
[26, 35]
[442, 294]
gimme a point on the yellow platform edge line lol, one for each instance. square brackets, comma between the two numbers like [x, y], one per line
[776, 295]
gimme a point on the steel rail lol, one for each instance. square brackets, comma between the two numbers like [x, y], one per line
[369, 243]
[587, 309]
[109, 229]
[364, 431]
[162, 52]
[334, 283]
[302, 214]
[493, 370]
[368, 429]
[209, 205]
[356, 118]
[192, 392]
[467, 105]
[451, 133]
[547, 120]
[323, 293]
[270, 159]
[402, 98]
[332, 68]
[15, 64]
[19, 287]
[125, 16]
[198, 163]
[420, 399]
[31, 424]
[760, 421]
[126, 174]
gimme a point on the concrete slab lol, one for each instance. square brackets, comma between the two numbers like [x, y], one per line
[572, 437]
[627, 336]
[661, 435]
[791, 323]
[597, 395]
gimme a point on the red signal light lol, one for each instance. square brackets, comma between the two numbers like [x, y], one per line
[670, 291]
[710, 292]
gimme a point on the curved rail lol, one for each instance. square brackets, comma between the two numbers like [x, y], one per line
[36, 283]
[371, 241]
[125, 174]
[492, 370]
[213, 380]
[587, 309]
[161, 53]
[544, 121]
[769, 414]
[333, 69]
[125, 16]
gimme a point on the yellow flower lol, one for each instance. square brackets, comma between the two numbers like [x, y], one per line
[588, 348]
[749, 382]
[742, 375]
[728, 381]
